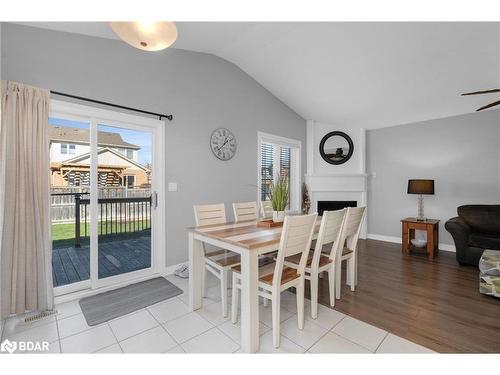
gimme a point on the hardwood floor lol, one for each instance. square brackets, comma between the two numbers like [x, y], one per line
[433, 302]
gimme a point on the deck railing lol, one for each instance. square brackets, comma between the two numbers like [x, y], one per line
[115, 215]
[63, 199]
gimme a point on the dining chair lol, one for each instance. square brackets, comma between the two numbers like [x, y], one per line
[246, 211]
[218, 262]
[266, 209]
[322, 257]
[349, 240]
[275, 277]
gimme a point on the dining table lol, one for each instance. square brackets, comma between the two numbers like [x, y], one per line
[250, 241]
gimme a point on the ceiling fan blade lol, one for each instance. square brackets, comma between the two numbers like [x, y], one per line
[481, 92]
[488, 106]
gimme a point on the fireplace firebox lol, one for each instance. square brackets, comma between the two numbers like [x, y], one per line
[334, 205]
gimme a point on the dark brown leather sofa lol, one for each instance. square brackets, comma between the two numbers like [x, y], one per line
[476, 228]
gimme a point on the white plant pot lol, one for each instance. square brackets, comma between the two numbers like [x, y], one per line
[278, 216]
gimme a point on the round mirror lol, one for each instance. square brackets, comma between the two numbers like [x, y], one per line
[336, 147]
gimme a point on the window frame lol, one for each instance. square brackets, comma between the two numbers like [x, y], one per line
[295, 166]
[126, 179]
[127, 150]
[68, 147]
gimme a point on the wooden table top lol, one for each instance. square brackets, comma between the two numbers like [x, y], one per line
[414, 220]
[245, 234]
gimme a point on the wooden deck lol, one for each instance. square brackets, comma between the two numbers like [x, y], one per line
[116, 256]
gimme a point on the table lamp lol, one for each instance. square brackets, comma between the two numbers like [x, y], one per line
[421, 187]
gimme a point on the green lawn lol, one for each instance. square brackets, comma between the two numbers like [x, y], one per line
[67, 231]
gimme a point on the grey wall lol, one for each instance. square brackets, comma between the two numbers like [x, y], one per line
[461, 153]
[1, 50]
[202, 91]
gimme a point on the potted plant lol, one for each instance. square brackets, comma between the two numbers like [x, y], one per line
[279, 194]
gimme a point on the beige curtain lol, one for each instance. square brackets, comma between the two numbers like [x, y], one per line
[25, 239]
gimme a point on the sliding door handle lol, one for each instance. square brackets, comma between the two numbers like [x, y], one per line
[154, 199]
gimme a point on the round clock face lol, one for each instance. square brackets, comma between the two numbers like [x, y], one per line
[223, 144]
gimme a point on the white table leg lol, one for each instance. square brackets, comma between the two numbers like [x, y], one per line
[249, 301]
[195, 272]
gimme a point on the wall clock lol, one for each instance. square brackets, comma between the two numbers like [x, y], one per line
[223, 144]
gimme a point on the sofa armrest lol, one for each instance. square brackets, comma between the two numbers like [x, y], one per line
[457, 224]
[460, 232]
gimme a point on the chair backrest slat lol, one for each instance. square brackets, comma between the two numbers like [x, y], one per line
[245, 211]
[295, 239]
[266, 209]
[209, 214]
[329, 235]
[352, 227]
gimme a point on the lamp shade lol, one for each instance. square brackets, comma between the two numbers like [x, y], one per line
[420, 186]
[148, 36]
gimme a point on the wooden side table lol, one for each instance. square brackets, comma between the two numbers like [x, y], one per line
[431, 226]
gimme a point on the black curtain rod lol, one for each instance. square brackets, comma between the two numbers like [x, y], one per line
[169, 117]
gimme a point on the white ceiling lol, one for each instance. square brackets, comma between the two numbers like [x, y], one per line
[351, 74]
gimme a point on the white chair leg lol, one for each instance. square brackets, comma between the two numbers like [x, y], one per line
[275, 306]
[223, 291]
[338, 276]
[235, 300]
[300, 304]
[348, 280]
[204, 280]
[314, 295]
[331, 282]
[266, 302]
[350, 272]
[355, 269]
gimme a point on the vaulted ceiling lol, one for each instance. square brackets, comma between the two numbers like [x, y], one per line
[351, 74]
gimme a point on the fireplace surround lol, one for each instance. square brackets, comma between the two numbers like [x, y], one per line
[334, 205]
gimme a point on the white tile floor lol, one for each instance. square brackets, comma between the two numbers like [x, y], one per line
[169, 327]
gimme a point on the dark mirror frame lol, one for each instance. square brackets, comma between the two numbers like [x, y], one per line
[332, 134]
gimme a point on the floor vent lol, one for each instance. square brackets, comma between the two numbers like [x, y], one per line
[42, 315]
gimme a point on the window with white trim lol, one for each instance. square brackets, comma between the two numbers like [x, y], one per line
[68, 149]
[279, 156]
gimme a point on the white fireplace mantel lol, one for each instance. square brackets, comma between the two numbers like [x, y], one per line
[349, 183]
[337, 182]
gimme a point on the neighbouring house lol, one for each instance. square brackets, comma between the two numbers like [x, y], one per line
[117, 160]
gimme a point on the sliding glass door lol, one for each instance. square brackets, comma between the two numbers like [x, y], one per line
[125, 201]
[105, 173]
[70, 185]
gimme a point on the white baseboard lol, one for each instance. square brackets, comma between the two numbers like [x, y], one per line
[379, 237]
[169, 270]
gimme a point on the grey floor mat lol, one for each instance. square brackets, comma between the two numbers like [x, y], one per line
[115, 303]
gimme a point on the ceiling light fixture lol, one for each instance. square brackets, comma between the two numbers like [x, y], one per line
[148, 36]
